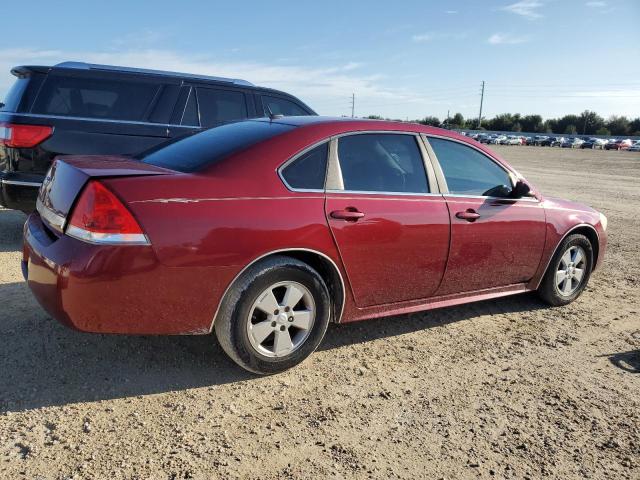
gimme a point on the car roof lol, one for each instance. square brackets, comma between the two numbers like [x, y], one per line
[355, 124]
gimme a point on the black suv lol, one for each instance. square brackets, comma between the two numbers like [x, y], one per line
[80, 108]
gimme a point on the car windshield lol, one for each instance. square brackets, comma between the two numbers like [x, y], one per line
[195, 152]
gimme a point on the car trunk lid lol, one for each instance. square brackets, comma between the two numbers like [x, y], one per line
[68, 175]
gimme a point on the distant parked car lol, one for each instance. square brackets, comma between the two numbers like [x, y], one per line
[537, 140]
[618, 144]
[635, 147]
[553, 141]
[572, 142]
[80, 108]
[498, 140]
[486, 138]
[512, 140]
[594, 143]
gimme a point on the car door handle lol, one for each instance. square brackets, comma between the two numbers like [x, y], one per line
[470, 215]
[349, 214]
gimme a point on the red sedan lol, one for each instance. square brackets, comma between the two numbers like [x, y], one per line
[267, 230]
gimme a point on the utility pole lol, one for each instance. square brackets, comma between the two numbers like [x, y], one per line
[481, 100]
[353, 104]
[447, 119]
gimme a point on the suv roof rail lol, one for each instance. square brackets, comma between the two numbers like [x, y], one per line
[94, 66]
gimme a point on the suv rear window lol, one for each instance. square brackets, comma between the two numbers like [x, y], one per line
[203, 149]
[95, 98]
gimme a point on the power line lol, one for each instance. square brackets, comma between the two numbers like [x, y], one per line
[481, 100]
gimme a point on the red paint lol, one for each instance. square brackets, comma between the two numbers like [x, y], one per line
[407, 253]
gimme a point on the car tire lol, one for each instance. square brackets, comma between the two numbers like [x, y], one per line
[559, 289]
[236, 325]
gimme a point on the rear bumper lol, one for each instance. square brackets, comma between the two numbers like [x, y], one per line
[117, 289]
[18, 191]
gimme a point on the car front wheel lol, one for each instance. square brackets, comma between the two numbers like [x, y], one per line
[568, 272]
[274, 316]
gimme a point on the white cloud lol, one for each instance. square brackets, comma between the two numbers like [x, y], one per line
[451, 12]
[429, 36]
[596, 4]
[525, 8]
[506, 39]
[423, 37]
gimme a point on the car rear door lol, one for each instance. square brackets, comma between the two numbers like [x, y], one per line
[389, 222]
[495, 241]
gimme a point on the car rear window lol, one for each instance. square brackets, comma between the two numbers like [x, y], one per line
[117, 99]
[203, 149]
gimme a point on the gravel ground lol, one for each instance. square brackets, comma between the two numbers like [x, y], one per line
[500, 389]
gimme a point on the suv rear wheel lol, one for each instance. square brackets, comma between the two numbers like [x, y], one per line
[274, 316]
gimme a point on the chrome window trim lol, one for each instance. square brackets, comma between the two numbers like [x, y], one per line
[365, 192]
[21, 183]
[555, 249]
[509, 171]
[416, 136]
[283, 250]
[90, 119]
[505, 199]
[295, 157]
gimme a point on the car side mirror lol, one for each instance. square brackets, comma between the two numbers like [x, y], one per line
[499, 191]
[520, 189]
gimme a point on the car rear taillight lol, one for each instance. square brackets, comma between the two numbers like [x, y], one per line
[23, 136]
[100, 217]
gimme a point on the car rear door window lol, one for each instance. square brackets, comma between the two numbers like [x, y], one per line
[307, 172]
[218, 106]
[281, 106]
[387, 163]
[116, 99]
[466, 170]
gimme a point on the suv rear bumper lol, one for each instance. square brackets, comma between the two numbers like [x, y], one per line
[18, 191]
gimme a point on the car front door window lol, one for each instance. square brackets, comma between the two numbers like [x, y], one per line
[469, 172]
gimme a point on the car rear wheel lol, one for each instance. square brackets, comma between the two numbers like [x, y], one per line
[274, 316]
[568, 272]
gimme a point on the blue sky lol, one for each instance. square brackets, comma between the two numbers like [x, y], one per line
[403, 59]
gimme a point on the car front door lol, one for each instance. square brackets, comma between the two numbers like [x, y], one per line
[389, 222]
[495, 240]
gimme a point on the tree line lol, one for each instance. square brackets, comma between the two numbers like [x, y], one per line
[587, 123]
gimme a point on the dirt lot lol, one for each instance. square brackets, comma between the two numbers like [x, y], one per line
[504, 389]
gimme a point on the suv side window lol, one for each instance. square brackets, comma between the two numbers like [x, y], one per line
[220, 106]
[116, 99]
[382, 162]
[466, 170]
[307, 172]
[281, 106]
[190, 116]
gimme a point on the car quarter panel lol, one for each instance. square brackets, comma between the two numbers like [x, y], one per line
[110, 289]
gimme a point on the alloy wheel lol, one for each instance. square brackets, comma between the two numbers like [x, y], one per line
[281, 319]
[571, 270]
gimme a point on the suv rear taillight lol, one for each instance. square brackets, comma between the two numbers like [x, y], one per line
[100, 217]
[23, 136]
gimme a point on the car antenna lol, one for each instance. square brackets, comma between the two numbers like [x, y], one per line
[272, 116]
